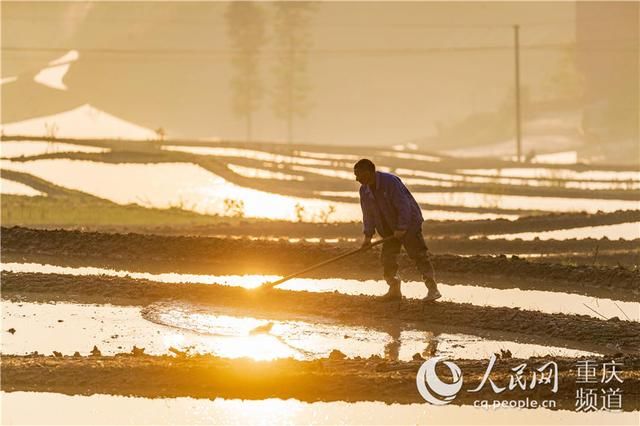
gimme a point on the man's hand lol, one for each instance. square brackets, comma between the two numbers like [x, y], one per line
[399, 234]
[366, 242]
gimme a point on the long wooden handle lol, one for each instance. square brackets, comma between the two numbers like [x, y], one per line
[326, 262]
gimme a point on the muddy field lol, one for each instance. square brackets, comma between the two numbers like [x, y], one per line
[329, 379]
[433, 229]
[208, 255]
[336, 378]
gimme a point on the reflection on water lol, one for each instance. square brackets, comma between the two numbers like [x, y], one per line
[265, 339]
[53, 75]
[348, 175]
[196, 189]
[447, 180]
[7, 80]
[334, 173]
[53, 408]
[544, 301]
[625, 231]
[262, 173]
[16, 188]
[199, 190]
[246, 153]
[510, 202]
[411, 156]
[552, 204]
[27, 149]
[327, 156]
[67, 328]
[83, 122]
[564, 157]
[571, 184]
[538, 172]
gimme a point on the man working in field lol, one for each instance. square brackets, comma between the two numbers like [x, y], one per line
[389, 208]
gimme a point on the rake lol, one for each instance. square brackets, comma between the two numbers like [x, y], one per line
[321, 264]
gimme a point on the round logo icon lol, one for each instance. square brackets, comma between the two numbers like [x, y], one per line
[433, 389]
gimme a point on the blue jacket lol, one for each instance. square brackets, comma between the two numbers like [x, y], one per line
[395, 203]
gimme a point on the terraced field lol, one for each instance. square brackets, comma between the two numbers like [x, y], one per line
[143, 281]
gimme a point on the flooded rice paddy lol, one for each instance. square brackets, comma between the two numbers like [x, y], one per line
[624, 231]
[67, 328]
[27, 149]
[155, 185]
[547, 173]
[10, 187]
[174, 328]
[510, 202]
[199, 190]
[543, 301]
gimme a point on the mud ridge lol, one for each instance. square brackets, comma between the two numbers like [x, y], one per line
[432, 228]
[372, 379]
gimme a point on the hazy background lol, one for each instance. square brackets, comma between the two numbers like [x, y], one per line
[440, 75]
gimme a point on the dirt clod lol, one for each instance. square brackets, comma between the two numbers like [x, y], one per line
[178, 352]
[336, 354]
[136, 351]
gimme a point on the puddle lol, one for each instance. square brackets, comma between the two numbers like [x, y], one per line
[67, 328]
[625, 231]
[510, 202]
[11, 187]
[27, 149]
[155, 185]
[544, 301]
[53, 408]
[544, 173]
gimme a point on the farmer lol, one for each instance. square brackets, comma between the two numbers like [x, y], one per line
[389, 208]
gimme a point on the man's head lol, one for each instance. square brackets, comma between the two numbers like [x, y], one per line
[365, 172]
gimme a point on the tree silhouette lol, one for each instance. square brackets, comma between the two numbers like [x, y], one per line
[246, 29]
[292, 39]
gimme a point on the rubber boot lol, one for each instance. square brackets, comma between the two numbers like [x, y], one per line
[432, 290]
[394, 293]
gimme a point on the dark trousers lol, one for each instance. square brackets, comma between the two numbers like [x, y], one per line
[416, 248]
